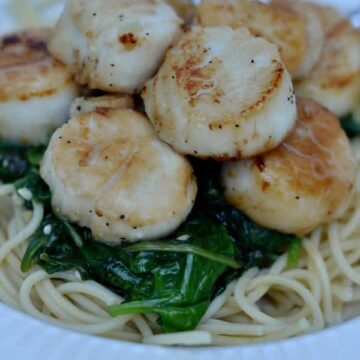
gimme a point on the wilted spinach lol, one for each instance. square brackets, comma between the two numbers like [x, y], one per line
[256, 245]
[176, 284]
[20, 165]
[176, 277]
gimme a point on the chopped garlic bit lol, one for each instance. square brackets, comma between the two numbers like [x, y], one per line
[25, 194]
[47, 229]
[183, 237]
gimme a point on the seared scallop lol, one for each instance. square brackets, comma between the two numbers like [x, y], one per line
[335, 80]
[315, 32]
[84, 105]
[114, 47]
[36, 91]
[278, 24]
[221, 93]
[328, 15]
[108, 171]
[306, 182]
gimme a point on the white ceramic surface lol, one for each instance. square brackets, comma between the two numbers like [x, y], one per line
[22, 337]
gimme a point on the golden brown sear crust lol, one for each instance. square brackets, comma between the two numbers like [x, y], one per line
[335, 80]
[107, 170]
[114, 47]
[306, 182]
[314, 30]
[328, 15]
[197, 77]
[92, 143]
[276, 23]
[309, 152]
[27, 70]
[217, 93]
[36, 91]
[24, 47]
[331, 52]
[191, 71]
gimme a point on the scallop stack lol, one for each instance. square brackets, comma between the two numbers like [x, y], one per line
[225, 88]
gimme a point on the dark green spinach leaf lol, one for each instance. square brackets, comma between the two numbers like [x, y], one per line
[184, 285]
[37, 187]
[177, 285]
[176, 277]
[256, 246]
[20, 165]
[351, 127]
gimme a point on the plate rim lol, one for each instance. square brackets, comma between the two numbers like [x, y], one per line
[350, 325]
[16, 326]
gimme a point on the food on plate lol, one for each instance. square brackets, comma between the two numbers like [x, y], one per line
[315, 32]
[306, 182]
[35, 90]
[116, 47]
[328, 15]
[218, 94]
[335, 80]
[128, 185]
[284, 25]
[192, 198]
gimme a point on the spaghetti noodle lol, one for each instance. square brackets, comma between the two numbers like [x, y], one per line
[260, 306]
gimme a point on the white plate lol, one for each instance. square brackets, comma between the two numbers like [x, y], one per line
[22, 337]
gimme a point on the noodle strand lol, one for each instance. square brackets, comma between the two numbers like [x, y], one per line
[262, 305]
